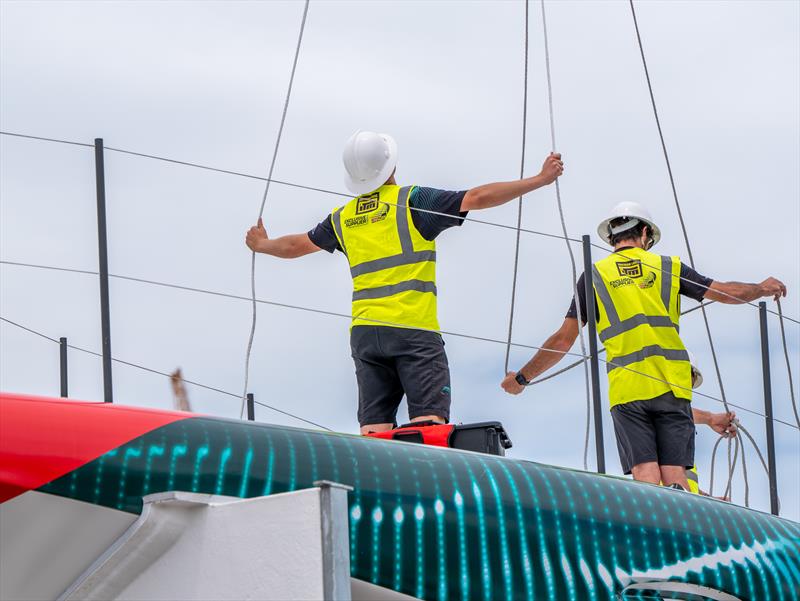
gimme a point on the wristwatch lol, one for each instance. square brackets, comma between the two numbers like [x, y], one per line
[521, 379]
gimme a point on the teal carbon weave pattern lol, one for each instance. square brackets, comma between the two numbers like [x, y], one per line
[455, 526]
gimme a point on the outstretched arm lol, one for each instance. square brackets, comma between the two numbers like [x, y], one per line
[736, 293]
[285, 247]
[557, 345]
[494, 195]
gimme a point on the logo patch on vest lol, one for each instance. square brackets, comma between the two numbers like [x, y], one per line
[367, 204]
[381, 214]
[648, 282]
[630, 269]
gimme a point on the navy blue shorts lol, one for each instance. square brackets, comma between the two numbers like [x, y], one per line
[392, 362]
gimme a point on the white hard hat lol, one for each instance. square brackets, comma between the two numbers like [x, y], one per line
[369, 159]
[697, 375]
[635, 213]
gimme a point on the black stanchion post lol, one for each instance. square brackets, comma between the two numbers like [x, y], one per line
[62, 347]
[773, 476]
[590, 314]
[102, 243]
[251, 407]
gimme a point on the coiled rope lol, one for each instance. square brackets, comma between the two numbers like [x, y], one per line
[261, 211]
[578, 300]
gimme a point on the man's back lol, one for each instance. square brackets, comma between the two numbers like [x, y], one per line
[639, 312]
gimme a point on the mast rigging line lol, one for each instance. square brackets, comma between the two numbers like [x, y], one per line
[519, 202]
[261, 210]
[738, 443]
[578, 300]
[677, 202]
[344, 195]
[349, 316]
[161, 373]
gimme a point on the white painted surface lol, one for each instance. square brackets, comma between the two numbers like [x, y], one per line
[46, 542]
[192, 546]
[366, 591]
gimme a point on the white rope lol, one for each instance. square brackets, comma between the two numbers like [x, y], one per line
[587, 277]
[519, 205]
[261, 211]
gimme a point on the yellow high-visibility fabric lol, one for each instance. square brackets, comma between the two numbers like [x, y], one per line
[392, 265]
[639, 310]
[694, 480]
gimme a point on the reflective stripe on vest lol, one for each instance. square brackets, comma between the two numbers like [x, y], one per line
[392, 265]
[639, 309]
[693, 480]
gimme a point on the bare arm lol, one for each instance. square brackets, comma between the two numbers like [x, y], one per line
[721, 423]
[558, 344]
[285, 247]
[736, 293]
[494, 195]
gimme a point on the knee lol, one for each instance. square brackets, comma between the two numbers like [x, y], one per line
[647, 472]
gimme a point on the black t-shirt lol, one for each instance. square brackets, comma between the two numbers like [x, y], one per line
[692, 284]
[429, 225]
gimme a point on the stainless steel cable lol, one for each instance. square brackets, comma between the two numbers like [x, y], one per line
[578, 301]
[344, 195]
[350, 317]
[288, 184]
[688, 249]
[519, 202]
[261, 211]
[161, 373]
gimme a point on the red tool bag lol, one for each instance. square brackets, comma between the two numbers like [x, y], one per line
[484, 437]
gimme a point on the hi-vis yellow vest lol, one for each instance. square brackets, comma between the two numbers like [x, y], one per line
[392, 265]
[639, 308]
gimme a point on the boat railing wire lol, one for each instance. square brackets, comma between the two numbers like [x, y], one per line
[583, 358]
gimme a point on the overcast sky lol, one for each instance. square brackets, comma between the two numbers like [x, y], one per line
[205, 82]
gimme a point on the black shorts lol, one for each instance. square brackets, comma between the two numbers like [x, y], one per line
[659, 429]
[391, 362]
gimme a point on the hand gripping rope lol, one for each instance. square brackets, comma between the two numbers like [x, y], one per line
[578, 299]
[261, 210]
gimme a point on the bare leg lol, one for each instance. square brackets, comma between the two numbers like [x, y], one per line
[375, 428]
[647, 472]
[674, 474]
[433, 418]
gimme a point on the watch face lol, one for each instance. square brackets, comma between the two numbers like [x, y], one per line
[521, 380]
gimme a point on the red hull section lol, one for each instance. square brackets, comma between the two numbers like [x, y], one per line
[42, 439]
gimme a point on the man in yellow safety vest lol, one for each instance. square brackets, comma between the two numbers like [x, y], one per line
[637, 296]
[388, 232]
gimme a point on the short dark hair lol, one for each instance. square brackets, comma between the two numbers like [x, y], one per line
[633, 233]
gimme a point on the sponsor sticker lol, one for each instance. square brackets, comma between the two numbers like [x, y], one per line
[630, 269]
[367, 204]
